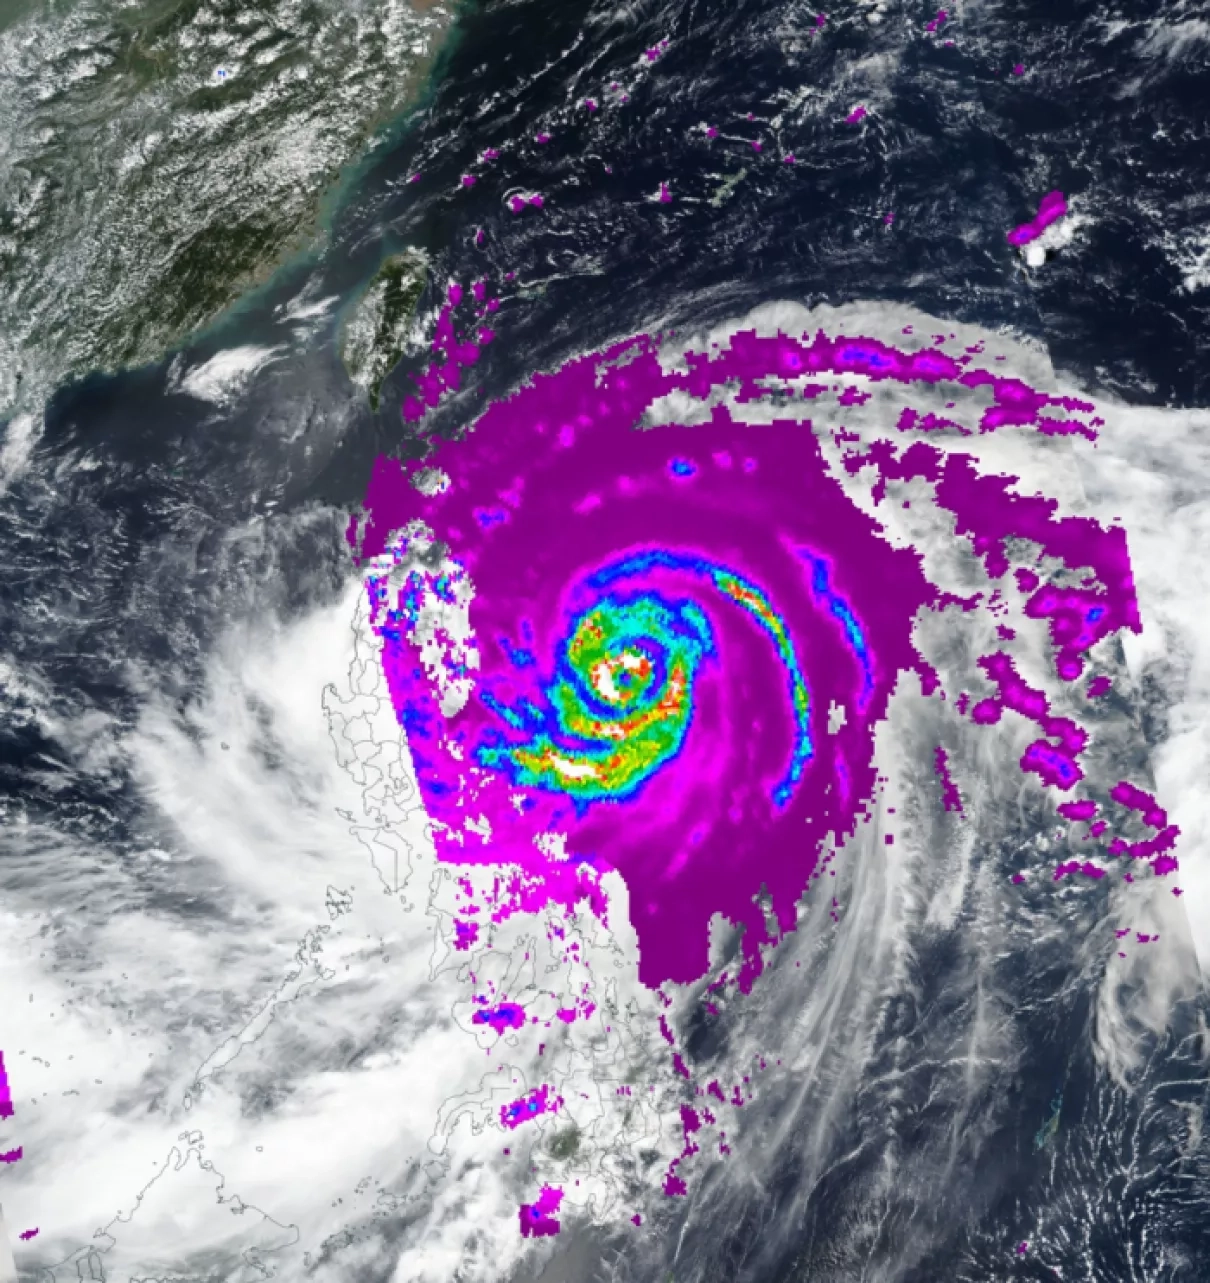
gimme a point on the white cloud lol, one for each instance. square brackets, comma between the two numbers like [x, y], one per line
[1152, 470]
[223, 377]
[20, 434]
[337, 1027]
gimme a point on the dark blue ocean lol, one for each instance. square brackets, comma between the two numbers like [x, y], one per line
[117, 551]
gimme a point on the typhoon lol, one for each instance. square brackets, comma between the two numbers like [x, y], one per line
[684, 634]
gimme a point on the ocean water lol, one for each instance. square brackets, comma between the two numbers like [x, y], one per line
[965, 1078]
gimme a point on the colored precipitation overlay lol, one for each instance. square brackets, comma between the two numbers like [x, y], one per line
[662, 624]
[532, 746]
[642, 626]
[1051, 208]
[8, 1272]
[6, 1111]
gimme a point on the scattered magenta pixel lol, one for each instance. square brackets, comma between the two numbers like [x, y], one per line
[538, 1218]
[672, 621]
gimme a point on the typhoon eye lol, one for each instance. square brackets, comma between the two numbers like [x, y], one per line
[618, 706]
[688, 678]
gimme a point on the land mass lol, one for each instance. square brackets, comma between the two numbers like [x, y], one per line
[164, 157]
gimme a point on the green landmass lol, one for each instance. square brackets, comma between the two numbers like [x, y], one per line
[162, 157]
[374, 335]
[727, 187]
[565, 1145]
[1049, 1129]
